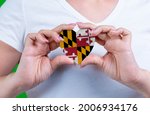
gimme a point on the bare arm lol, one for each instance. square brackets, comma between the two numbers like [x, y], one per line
[9, 58]
[35, 66]
[145, 82]
[119, 62]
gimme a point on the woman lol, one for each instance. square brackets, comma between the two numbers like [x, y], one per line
[27, 31]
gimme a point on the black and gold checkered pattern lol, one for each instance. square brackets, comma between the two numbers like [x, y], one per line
[69, 37]
[70, 41]
[82, 52]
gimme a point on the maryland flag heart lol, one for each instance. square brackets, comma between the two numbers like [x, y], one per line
[77, 45]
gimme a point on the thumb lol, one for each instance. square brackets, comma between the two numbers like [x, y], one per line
[100, 41]
[60, 60]
[92, 59]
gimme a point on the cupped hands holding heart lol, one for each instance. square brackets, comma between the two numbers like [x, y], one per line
[118, 62]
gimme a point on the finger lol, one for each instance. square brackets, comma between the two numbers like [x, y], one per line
[30, 39]
[52, 41]
[60, 60]
[62, 27]
[92, 59]
[101, 29]
[124, 33]
[40, 38]
[114, 34]
[50, 35]
[53, 45]
[100, 41]
[38, 41]
[120, 33]
[103, 36]
[85, 25]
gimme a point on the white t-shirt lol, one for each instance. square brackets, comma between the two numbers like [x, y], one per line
[20, 17]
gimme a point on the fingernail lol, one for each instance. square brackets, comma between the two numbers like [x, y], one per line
[60, 38]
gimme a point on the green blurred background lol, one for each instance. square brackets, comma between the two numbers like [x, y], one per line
[23, 94]
[1, 2]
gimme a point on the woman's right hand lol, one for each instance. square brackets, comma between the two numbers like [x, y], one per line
[35, 65]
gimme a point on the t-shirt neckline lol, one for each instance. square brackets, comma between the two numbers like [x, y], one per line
[82, 18]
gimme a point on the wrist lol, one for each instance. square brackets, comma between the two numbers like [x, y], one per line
[15, 84]
[9, 86]
[145, 82]
[138, 80]
[142, 82]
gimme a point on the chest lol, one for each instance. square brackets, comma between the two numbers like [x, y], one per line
[137, 21]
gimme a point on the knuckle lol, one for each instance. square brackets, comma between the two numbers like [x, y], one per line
[54, 33]
[99, 26]
[29, 34]
[121, 28]
[109, 27]
[38, 35]
[89, 24]
[112, 27]
[41, 31]
[62, 25]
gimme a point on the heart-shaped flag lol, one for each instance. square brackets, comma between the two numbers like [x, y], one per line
[77, 45]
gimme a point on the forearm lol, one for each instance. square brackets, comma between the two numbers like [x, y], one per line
[9, 86]
[145, 82]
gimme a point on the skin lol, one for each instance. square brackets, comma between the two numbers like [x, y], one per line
[38, 45]
[119, 62]
[35, 66]
[94, 10]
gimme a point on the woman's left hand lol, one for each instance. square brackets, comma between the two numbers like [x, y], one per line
[119, 62]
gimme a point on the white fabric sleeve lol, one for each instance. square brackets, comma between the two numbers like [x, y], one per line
[12, 26]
